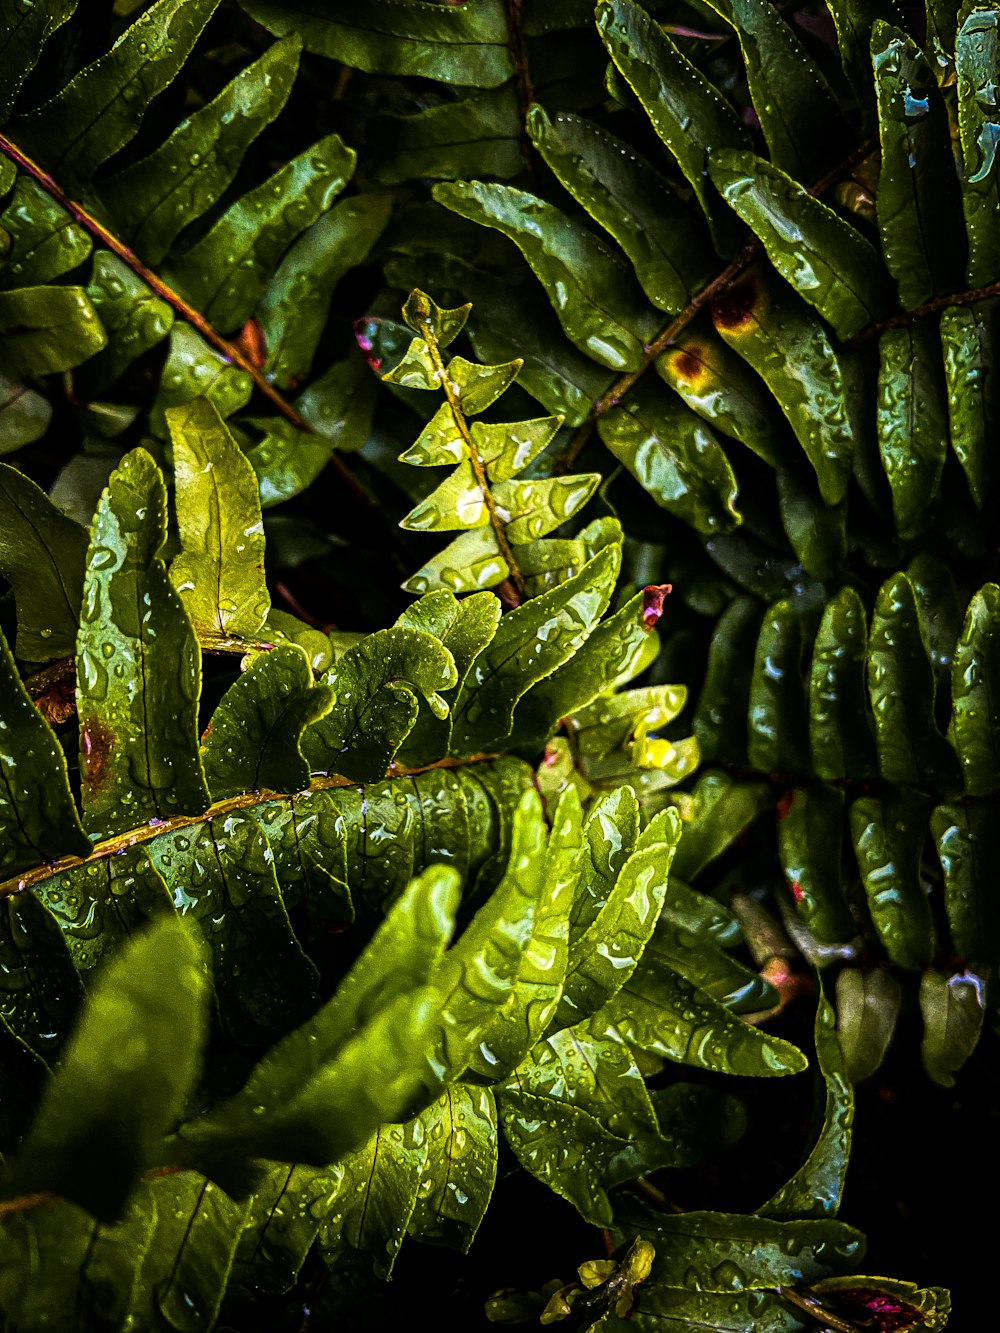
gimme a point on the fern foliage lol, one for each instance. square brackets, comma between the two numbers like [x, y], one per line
[391, 898]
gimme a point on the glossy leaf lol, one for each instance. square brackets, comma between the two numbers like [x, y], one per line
[840, 734]
[99, 111]
[953, 1009]
[220, 569]
[829, 263]
[687, 113]
[133, 316]
[460, 1168]
[23, 34]
[975, 687]
[43, 240]
[967, 838]
[226, 272]
[918, 216]
[674, 456]
[46, 329]
[817, 1187]
[788, 347]
[660, 1012]
[912, 422]
[888, 837]
[600, 308]
[614, 185]
[810, 833]
[967, 334]
[467, 47]
[42, 556]
[125, 1075]
[977, 64]
[139, 670]
[152, 200]
[41, 990]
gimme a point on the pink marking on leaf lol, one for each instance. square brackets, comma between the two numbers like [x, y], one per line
[652, 603]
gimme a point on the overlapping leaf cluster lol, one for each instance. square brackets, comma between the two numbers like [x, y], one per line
[798, 304]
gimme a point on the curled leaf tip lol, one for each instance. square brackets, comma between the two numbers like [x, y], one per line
[652, 603]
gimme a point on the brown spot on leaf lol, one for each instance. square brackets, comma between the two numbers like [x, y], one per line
[652, 603]
[784, 806]
[687, 365]
[252, 343]
[96, 745]
[734, 310]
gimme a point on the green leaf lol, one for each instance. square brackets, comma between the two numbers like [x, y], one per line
[918, 211]
[339, 405]
[599, 305]
[125, 1075]
[674, 456]
[912, 422]
[721, 388]
[226, 272]
[888, 837]
[460, 1169]
[782, 340]
[152, 200]
[721, 711]
[868, 1005]
[280, 1230]
[797, 109]
[100, 110]
[729, 1253]
[40, 990]
[219, 572]
[286, 461]
[45, 329]
[138, 665]
[828, 262]
[187, 1266]
[660, 1012]
[810, 832]
[377, 1194]
[67, 1270]
[953, 1008]
[840, 732]
[23, 34]
[326, 1087]
[38, 818]
[816, 531]
[467, 46]
[723, 810]
[685, 109]
[44, 240]
[777, 727]
[967, 338]
[480, 971]
[224, 877]
[477, 134]
[133, 316]
[566, 1153]
[254, 741]
[293, 310]
[604, 956]
[967, 838]
[464, 628]
[635, 205]
[378, 684]
[817, 1187]
[42, 556]
[542, 970]
[975, 693]
[901, 688]
[530, 643]
[196, 370]
[977, 65]
[24, 415]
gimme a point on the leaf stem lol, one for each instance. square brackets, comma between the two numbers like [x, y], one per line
[478, 467]
[812, 1307]
[525, 86]
[245, 800]
[230, 350]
